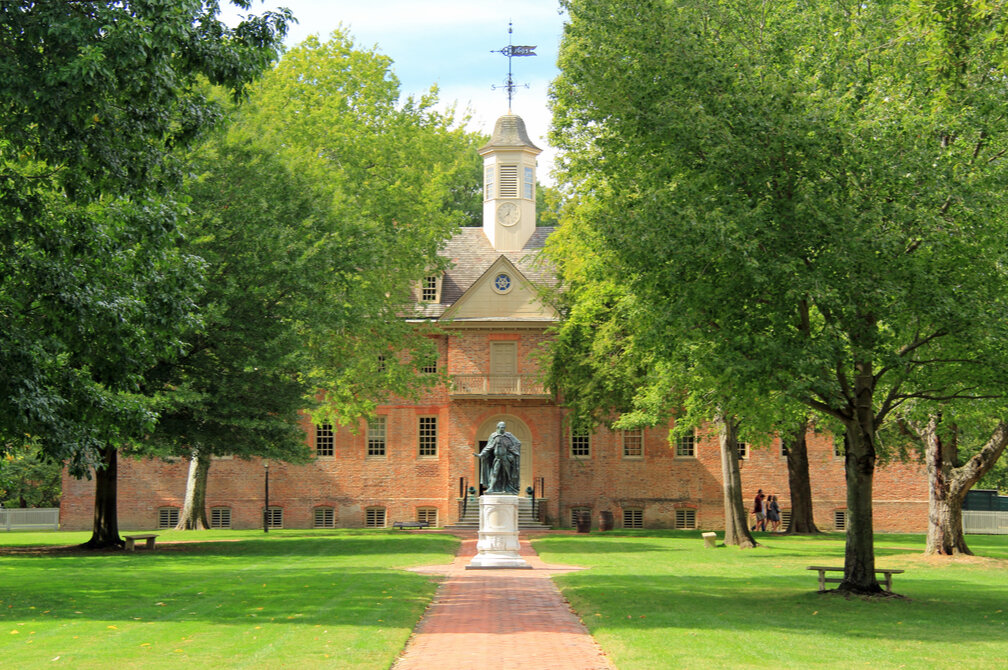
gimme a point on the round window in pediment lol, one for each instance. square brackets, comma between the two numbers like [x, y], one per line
[502, 283]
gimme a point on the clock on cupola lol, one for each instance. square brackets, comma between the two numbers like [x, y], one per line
[509, 182]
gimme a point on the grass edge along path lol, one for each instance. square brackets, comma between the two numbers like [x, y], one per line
[234, 599]
[657, 599]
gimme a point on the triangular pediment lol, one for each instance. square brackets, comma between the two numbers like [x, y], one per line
[502, 293]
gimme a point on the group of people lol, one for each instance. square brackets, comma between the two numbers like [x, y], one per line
[767, 512]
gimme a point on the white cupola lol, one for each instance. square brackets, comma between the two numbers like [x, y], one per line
[509, 183]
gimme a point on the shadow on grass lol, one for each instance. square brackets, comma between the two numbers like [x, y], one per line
[938, 610]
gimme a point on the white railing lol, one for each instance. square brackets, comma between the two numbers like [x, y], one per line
[32, 518]
[985, 523]
[497, 385]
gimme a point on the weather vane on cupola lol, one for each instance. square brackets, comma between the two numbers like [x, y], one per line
[511, 51]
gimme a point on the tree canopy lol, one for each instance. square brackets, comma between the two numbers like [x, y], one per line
[810, 195]
[95, 98]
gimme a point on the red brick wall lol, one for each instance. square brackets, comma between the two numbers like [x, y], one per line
[350, 482]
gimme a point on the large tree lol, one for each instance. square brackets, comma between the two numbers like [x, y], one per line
[94, 99]
[812, 193]
[315, 214]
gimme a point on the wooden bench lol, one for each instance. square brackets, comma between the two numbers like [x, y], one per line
[709, 540]
[823, 579]
[410, 524]
[131, 540]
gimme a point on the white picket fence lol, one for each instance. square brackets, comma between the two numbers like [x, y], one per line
[985, 523]
[40, 518]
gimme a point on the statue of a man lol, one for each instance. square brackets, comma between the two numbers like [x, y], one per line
[499, 462]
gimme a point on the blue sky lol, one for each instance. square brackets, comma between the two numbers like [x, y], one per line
[449, 43]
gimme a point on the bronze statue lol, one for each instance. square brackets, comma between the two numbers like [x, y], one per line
[499, 462]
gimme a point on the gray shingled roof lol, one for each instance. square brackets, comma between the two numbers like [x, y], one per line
[470, 255]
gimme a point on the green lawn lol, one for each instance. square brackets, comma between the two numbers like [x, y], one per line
[660, 600]
[292, 599]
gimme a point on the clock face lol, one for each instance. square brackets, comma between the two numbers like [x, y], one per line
[508, 214]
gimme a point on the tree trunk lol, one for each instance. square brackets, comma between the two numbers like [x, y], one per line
[802, 520]
[859, 466]
[736, 519]
[948, 485]
[193, 516]
[105, 530]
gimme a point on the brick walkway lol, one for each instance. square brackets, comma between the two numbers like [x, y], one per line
[497, 619]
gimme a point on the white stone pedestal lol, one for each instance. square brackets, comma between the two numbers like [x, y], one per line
[498, 534]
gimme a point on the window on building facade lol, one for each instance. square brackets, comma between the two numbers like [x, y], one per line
[325, 517]
[220, 517]
[374, 517]
[488, 183]
[324, 440]
[633, 518]
[427, 515]
[743, 450]
[576, 513]
[685, 445]
[840, 519]
[376, 427]
[430, 289]
[508, 186]
[528, 185]
[580, 444]
[168, 517]
[429, 368]
[633, 443]
[838, 447]
[685, 518]
[274, 517]
[783, 449]
[382, 367]
[427, 436]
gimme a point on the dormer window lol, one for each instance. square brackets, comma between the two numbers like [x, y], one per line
[430, 288]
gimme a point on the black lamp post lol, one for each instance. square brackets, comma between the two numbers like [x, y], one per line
[266, 508]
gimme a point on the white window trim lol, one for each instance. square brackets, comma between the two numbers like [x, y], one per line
[694, 446]
[632, 457]
[588, 444]
[420, 437]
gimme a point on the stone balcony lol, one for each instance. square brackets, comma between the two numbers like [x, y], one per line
[497, 386]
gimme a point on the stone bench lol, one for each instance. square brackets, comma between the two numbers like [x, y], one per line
[709, 540]
[410, 524]
[131, 540]
[823, 579]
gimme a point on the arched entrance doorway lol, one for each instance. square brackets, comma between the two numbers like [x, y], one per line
[516, 427]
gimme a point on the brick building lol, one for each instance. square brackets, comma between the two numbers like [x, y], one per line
[414, 461]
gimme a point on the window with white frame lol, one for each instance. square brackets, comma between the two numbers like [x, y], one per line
[783, 449]
[576, 513]
[168, 517]
[430, 288]
[376, 429]
[685, 445]
[685, 518]
[580, 444]
[633, 443]
[508, 186]
[528, 184]
[488, 183]
[220, 517]
[325, 517]
[743, 450]
[427, 515]
[427, 436]
[374, 517]
[324, 440]
[633, 518]
[840, 519]
[274, 517]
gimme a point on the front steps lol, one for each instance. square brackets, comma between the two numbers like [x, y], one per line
[525, 519]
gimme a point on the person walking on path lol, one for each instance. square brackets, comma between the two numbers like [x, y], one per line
[759, 510]
[773, 514]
